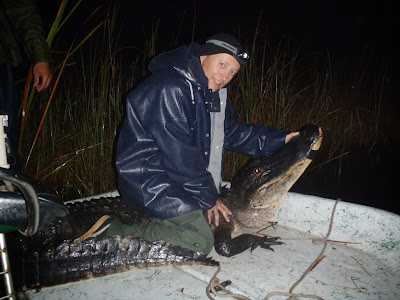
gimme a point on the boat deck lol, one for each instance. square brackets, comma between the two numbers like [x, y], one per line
[362, 263]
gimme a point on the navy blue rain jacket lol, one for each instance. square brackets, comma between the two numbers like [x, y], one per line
[164, 143]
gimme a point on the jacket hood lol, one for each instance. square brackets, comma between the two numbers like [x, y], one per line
[186, 62]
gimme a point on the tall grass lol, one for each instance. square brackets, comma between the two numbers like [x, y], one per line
[286, 88]
[282, 87]
[65, 139]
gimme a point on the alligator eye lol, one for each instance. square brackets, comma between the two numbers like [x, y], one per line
[257, 171]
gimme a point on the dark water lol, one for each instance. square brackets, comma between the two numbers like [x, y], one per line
[365, 179]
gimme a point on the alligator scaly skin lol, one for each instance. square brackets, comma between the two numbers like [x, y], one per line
[54, 255]
[73, 261]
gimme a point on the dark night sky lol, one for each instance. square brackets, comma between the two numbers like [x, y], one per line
[317, 23]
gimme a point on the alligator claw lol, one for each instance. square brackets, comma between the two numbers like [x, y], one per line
[267, 247]
[265, 243]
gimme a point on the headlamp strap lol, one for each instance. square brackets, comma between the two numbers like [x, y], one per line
[224, 45]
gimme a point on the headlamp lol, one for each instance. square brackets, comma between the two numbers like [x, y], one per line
[244, 55]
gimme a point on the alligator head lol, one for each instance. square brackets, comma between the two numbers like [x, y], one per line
[261, 185]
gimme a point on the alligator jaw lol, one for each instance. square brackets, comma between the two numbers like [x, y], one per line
[267, 199]
[272, 193]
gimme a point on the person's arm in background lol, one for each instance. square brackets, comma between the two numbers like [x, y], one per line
[29, 32]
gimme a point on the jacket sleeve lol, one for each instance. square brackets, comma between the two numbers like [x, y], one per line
[251, 139]
[28, 29]
[172, 168]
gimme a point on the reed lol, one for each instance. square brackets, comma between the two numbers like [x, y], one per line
[69, 140]
[72, 127]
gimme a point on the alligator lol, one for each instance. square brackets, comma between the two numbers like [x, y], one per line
[58, 254]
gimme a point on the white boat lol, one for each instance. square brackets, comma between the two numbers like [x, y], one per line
[361, 261]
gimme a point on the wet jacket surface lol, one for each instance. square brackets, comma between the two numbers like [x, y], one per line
[21, 28]
[164, 143]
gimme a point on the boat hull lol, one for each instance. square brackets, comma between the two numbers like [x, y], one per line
[362, 263]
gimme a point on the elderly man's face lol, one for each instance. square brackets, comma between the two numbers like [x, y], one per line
[219, 69]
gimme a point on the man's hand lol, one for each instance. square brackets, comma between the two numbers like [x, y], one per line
[219, 207]
[41, 70]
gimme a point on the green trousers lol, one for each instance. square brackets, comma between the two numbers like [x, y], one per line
[189, 231]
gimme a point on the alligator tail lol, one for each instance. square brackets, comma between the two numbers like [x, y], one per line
[94, 257]
[56, 255]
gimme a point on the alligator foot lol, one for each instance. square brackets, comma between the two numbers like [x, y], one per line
[230, 247]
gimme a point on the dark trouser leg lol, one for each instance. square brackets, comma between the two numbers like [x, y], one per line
[189, 231]
[9, 105]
